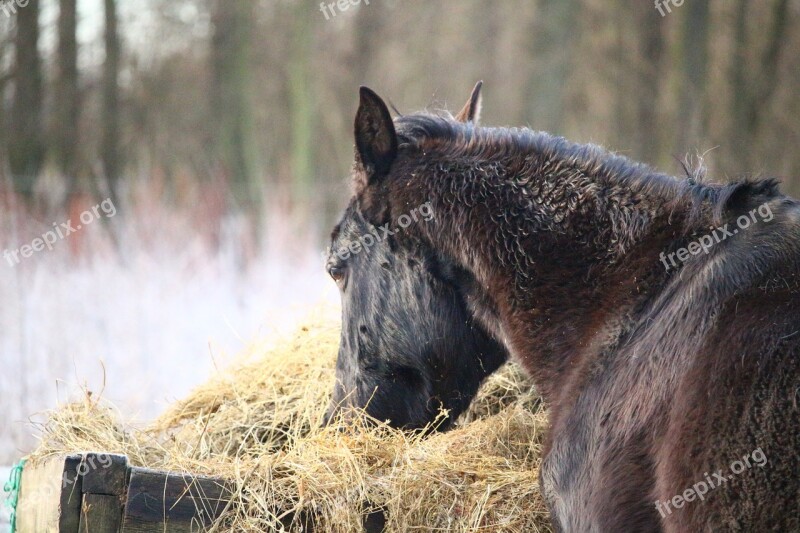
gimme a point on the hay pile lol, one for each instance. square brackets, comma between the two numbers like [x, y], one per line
[257, 424]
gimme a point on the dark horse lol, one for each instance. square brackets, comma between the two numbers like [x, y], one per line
[659, 318]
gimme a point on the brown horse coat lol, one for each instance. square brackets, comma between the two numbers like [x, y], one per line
[672, 375]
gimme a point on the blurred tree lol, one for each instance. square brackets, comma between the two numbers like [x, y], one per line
[301, 102]
[232, 102]
[367, 29]
[6, 44]
[650, 73]
[26, 147]
[754, 85]
[67, 111]
[552, 46]
[111, 153]
[626, 65]
[693, 48]
[207, 81]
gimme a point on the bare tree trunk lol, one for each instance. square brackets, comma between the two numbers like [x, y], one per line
[694, 62]
[301, 105]
[650, 58]
[369, 24]
[5, 76]
[231, 101]
[554, 35]
[111, 153]
[26, 148]
[753, 94]
[65, 130]
[623, 64]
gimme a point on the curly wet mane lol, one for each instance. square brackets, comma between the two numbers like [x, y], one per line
[436, 130]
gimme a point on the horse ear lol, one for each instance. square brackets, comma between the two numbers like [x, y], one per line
[471, 112]
[376, 140]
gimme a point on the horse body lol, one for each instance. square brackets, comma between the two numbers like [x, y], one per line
[657, 379]
[666, 410]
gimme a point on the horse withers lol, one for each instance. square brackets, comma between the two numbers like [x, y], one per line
[658, 317]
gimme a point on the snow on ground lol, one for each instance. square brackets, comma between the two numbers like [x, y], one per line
[144, 326]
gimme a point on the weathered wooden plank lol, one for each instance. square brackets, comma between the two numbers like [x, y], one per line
[103, 473]
[100, 492]
[50, 496]
[172, 502]
[100, 513]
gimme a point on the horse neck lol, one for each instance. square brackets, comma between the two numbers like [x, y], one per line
[558, 264]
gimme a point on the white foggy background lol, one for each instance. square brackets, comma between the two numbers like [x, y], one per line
[157, 317]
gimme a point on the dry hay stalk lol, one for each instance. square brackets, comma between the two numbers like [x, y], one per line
[257, 424]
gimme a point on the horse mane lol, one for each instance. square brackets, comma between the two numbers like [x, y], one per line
[437, 129]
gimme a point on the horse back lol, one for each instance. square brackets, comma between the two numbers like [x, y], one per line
[732, 432]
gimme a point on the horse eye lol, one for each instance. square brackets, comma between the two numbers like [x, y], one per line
[337, 273]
